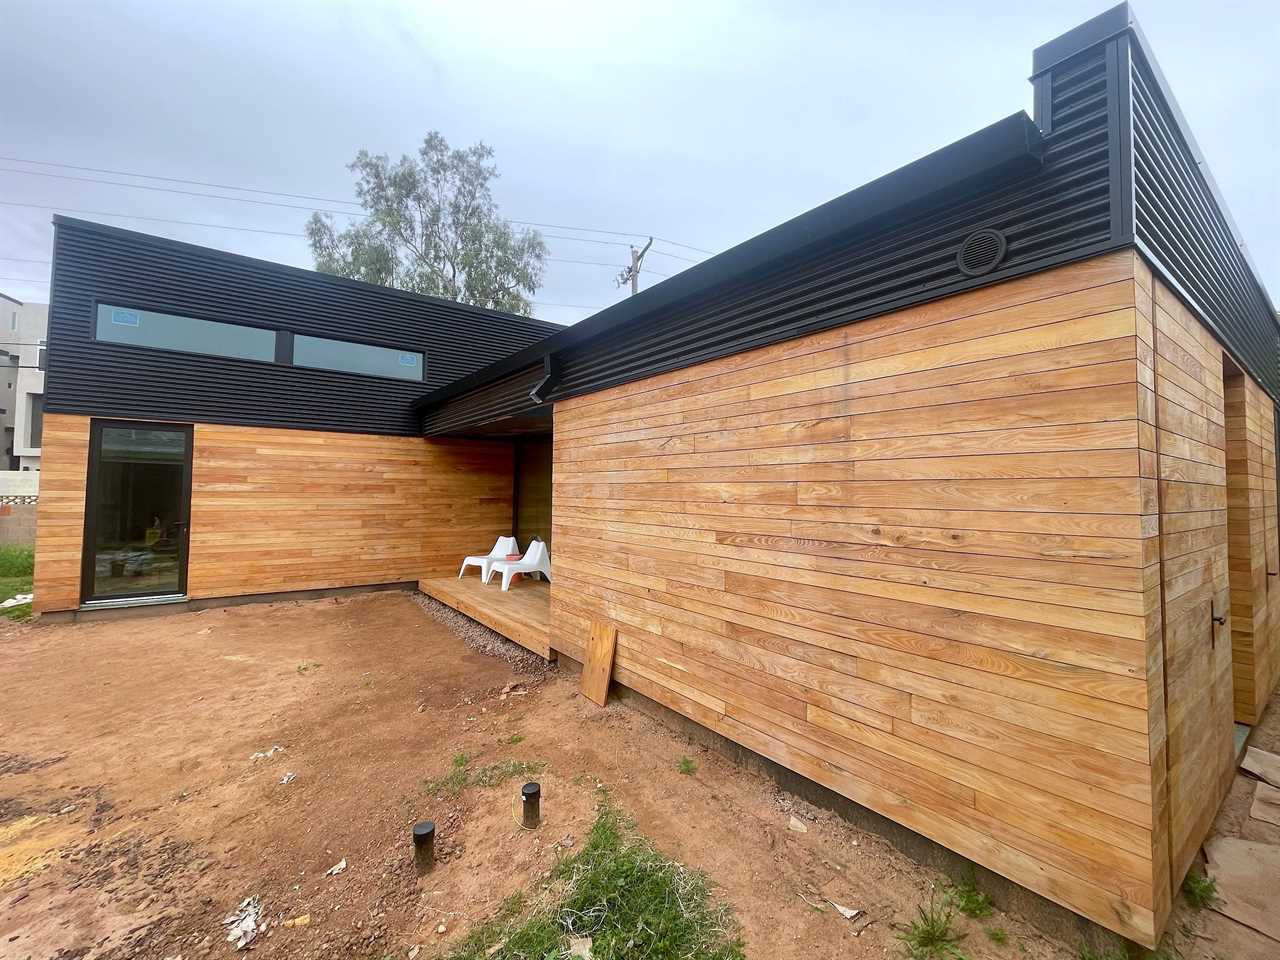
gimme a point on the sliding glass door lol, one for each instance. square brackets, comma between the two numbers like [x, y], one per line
[137, 512]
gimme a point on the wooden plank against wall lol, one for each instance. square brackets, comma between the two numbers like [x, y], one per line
[908, 558]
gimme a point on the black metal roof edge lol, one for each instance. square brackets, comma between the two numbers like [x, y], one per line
[316, 276]
[5, 296]
[1087, 35]
[1006, 148]
[1184, 129]
[1111, 23]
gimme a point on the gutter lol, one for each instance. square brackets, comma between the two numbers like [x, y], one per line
[1008, 148]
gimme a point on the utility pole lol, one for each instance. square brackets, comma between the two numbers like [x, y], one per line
[632, 273]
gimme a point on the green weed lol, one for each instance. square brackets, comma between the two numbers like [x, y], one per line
[930, 936]
[619, 891]
[965, 896]
[1200, 889]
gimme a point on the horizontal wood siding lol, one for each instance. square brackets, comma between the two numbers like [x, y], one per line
[908, 558]
[1182, 399]
[1251, 538]
[64, 465]
[276, 510]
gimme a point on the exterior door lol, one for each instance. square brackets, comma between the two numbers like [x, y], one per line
[137, 511]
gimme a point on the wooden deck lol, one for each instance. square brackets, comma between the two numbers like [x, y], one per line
[522, 614]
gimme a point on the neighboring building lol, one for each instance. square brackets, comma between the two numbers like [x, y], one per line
[956, 494]
[23, 329]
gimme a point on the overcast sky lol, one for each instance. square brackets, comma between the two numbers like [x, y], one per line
[703, 123]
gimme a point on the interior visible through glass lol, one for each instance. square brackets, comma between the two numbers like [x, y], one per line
[139, 512]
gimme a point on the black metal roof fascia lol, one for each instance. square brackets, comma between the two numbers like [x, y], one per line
[1007, 148]
[1111, 23]
[210, 253]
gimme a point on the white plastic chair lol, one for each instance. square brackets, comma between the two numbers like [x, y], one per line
[500, 551]
[537, 560]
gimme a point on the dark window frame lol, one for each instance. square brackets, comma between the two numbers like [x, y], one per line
[90, 539]
[359, 373]
[284, 340]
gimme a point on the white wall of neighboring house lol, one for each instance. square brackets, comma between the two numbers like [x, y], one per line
[24, 328]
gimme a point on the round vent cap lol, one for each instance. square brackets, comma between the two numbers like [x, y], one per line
[981, 252]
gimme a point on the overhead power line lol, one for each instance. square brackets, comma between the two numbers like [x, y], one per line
[292, 206]
[294, 196]
[193, 183]
[23, 260]
[185, 193]
[227, 226]
[135, 216]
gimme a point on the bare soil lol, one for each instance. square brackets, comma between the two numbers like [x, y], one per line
[133, 818]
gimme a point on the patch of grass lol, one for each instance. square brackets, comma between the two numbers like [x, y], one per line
[17, 561]
[623, 894]
[997, 935]
[16, 566]
[967, 898]
[513, 739]
[1087, 952]
[305, 668]
[501, 772]
[1200, 889]
[451, 783]
[931, 936]
[686, 766]
[461, 776]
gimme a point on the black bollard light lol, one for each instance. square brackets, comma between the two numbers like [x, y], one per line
[531, 794]
[424, 845]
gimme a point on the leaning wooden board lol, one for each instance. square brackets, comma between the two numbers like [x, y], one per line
[597, 666]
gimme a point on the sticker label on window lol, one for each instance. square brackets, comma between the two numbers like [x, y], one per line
[408, 359]
[125, 318]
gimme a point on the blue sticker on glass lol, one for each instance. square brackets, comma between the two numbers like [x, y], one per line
[408, 359]
[125, 318]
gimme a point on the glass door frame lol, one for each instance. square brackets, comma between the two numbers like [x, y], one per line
[88, 573]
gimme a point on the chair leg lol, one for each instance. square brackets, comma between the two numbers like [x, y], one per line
[506, 579]
[463, 570]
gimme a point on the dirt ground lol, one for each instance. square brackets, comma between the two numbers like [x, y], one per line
[133, 818]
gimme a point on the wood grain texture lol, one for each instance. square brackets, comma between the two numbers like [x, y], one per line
[522, 614]
[597, 667]
[1251, 543]
[64, 465]
[295, 509]
[1183, 399]
[281, 510]
[907, 558]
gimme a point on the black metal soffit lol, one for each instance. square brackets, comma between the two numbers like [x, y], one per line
[1007, 149]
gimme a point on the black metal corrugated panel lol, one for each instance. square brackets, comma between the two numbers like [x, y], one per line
[1182, 228]
[1060, 213]
[502, 398]
[97, 263]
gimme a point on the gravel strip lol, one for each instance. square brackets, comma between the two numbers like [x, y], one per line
[481, 639]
